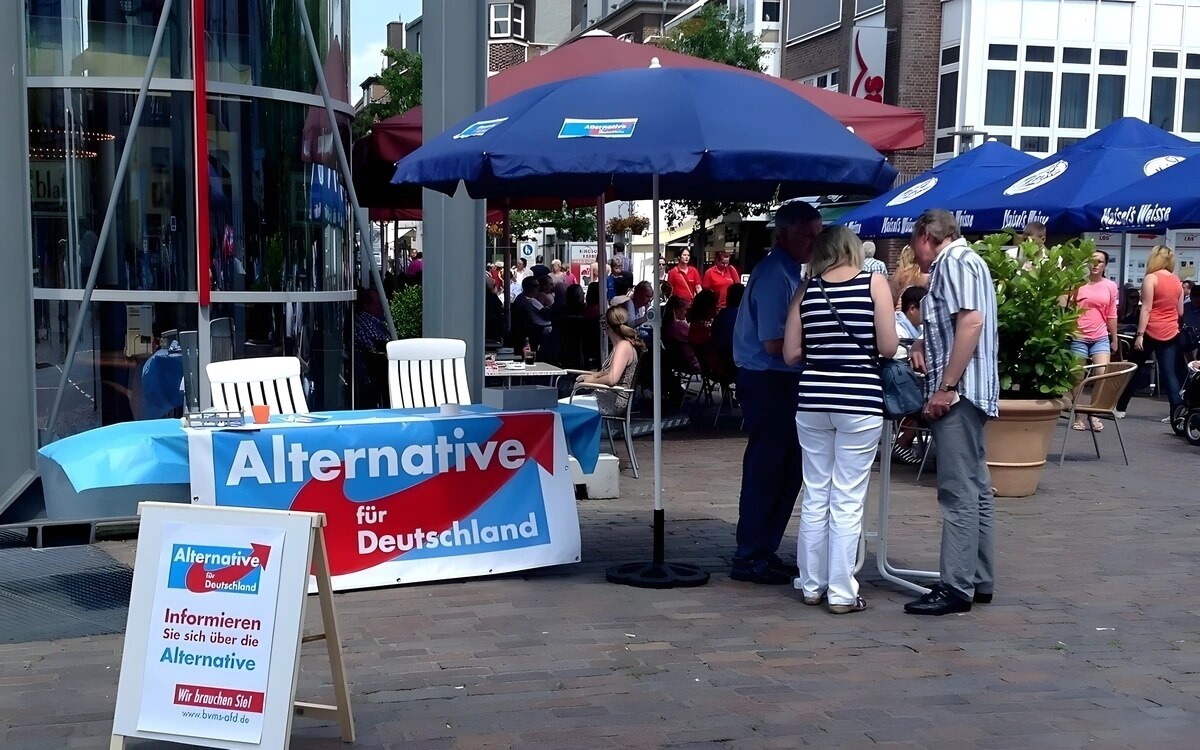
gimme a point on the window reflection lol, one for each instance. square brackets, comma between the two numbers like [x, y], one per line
[316, 333]
[75, 142]
[104, 37]
[261, 44]
[277, 209]
[119, 373]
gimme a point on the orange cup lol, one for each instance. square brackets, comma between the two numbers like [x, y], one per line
[262, 413]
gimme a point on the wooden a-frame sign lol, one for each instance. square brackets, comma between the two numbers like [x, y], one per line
[302, 539]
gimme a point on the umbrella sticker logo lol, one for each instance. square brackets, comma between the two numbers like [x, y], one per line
[1154, 166]
[914, 192]
[616, 128]
[1037, 179]
[477, 129]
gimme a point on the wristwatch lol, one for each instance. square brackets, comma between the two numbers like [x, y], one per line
[948, 387]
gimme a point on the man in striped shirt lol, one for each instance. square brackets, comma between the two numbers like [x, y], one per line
[958, 356]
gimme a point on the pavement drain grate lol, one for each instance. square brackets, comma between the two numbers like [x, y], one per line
[63, 592]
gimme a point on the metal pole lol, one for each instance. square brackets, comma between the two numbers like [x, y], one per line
[109, 213]
[364, 223]
[602, 273]
[656, 357]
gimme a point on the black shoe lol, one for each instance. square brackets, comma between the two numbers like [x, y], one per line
[759, 571]
[774, 563]
[940, 601]
[981, 598]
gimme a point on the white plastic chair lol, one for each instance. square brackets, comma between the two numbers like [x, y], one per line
[241, 383]
[425, 373]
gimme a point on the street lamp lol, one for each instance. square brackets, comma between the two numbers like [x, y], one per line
[966, 137]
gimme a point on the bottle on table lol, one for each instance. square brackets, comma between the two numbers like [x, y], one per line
[527, 353]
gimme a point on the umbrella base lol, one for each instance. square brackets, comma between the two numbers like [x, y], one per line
[657, 575]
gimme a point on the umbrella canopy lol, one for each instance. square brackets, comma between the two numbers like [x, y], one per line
[1165, 200]
[885, 127]
[894, 213]
[1055, 189]
[611, 132]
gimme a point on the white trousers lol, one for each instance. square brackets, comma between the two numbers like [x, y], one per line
[838, 450]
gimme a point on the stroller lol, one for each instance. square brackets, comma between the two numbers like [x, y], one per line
[1185, 420]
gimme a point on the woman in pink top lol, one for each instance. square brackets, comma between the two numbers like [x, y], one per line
[1158, 324]
[684, 278]
[1097, 336]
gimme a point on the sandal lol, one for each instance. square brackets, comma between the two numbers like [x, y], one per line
[844, 609]
[1080, 426]
[1097, 425]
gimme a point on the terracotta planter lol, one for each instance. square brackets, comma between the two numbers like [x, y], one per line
[1018, 442]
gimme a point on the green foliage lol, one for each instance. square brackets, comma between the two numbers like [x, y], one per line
[717, 34]
[401, 80]
[1035, 327]
[575, 224]
[406, 309]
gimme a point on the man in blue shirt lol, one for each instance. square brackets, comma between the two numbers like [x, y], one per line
[766, 388]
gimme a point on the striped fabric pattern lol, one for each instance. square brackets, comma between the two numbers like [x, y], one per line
[839, 375]
[960, 280]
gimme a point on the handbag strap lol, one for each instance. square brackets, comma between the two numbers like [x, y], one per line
[821, 285]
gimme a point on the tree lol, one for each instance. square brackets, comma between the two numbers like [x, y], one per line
[401, 82]
[717, 34]
[576, 224]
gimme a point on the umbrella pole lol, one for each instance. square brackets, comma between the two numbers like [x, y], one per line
[658, 573]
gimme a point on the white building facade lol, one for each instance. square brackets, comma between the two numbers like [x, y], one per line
[1042, 74]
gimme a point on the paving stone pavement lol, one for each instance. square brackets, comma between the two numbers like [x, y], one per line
[1093, 639]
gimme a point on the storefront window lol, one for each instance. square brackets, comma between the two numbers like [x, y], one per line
[104, 38]
[262, 44]
[278, 213]
[75, 143]
[319, 334]
[116, 376]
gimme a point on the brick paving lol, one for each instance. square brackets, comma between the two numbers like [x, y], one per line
[1093, 639]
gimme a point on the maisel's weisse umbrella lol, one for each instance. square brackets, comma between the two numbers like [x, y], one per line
[651, 133]
[1169, 199]
[894, 213]
[1055, 190]
[613, 131]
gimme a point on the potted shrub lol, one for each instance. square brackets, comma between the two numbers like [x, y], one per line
[406, 311]
[1036, 366]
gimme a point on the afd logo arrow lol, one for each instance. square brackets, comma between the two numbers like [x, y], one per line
[201, 580]
[432, 505]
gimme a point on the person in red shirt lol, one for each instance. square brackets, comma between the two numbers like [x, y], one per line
[684, 278]
[720, 277]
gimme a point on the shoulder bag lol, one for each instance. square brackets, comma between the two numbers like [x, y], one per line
[902, 393]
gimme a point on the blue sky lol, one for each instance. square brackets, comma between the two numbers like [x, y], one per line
[368, 33]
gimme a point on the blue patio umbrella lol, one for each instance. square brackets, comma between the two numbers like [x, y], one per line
[894, 213]
[650, 133]
[1055, 190]
[705, 133]
[1164, 200]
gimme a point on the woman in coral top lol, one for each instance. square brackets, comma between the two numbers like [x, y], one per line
[1096, 338]
[684, 278]
[1158, 324]
[720, 277]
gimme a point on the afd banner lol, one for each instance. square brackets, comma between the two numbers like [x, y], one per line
[208, 656]
[406, 499]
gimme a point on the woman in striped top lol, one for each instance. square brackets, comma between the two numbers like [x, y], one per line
[838, 324]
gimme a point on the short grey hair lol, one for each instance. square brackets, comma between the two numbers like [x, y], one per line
[868, 249]
[938, 224]
[795, 212]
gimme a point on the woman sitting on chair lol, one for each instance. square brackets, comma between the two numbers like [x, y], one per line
[619, 369]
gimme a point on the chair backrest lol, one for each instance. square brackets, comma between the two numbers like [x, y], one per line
[241, 383]
[189, 344]
[1107, 383]
[425, 373]
[221, 332]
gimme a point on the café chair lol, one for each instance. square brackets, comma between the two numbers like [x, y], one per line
[241, 383]
[426, 373]
[1107, 383]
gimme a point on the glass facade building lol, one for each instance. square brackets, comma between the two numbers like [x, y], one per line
[234, 241]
